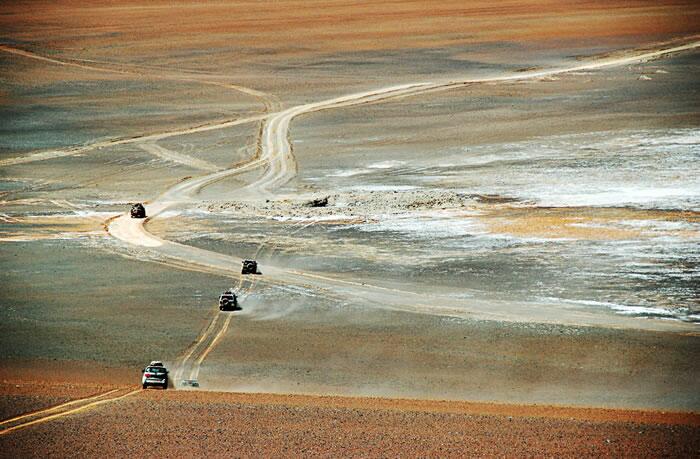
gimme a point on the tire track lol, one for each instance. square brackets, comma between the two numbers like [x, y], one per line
[269, 102]
[52, 154]
[175, 157]
[39, 57]
[194, 374]
[55, 408]
[277, 156]
[58, 411]
[292, 229]
[278, 151]
[169, 74]
[191, 362]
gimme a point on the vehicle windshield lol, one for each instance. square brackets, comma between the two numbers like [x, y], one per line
[157, 370]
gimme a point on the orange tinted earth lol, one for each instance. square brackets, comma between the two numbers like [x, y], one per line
[248, 43]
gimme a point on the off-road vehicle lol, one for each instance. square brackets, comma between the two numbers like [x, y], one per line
[250, 267]
[138, 211]
[228, 301]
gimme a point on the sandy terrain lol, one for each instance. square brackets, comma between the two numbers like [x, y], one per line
[505, 264]
[217, 424]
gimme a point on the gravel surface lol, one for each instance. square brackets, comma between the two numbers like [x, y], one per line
[20, 398]
[156, 423]
[353, 204]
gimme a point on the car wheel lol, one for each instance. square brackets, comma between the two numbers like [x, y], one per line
[145, 386]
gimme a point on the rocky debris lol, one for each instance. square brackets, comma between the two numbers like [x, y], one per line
[492, 198]
[319, 202]
[358, 204]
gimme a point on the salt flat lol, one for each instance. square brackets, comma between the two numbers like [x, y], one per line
[512, 215]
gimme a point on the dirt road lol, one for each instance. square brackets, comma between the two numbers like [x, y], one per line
[280, 166]
[65, 409]
[52, 154]
[277, 150]
[249, 425]
[269, 102]
[360, 348]
[175, 157]
[189, 365]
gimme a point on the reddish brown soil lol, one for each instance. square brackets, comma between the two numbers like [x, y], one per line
[28, 386]
[216, 424]
[293, 27]
[248, 39]
[21, 398]
[66, 373]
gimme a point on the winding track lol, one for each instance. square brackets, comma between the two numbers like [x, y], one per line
[51, 154]
[277, 150]
[271, 103]
[280, 166]
[276, 155]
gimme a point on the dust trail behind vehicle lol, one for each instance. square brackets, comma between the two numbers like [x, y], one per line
[190, 363]
[280, 167]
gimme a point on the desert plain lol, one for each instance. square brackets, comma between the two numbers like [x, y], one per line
[477, 225]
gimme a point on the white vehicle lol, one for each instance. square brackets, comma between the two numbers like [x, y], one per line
[155, 375]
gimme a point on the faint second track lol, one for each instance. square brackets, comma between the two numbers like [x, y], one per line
[62, 410]
[189, 364]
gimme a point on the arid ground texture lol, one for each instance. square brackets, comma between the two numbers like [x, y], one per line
[476, 223]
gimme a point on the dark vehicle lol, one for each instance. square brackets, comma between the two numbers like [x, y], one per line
[250, 267]
[138, 211]
[155, 376]
[228, 301]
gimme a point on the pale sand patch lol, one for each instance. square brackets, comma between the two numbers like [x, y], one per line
[588, 223]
